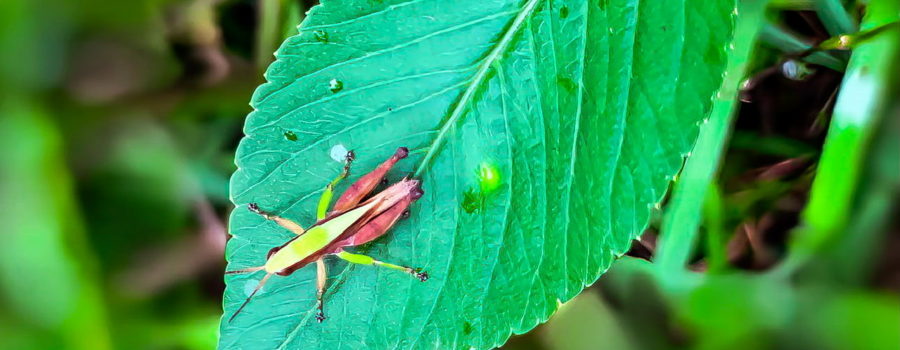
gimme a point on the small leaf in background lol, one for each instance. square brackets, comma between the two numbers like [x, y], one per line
[46, 273]
[582, 110]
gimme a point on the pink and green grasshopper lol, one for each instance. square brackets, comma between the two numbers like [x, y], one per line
[354, 220]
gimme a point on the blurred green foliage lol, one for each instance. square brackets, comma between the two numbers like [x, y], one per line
[118, 128]
[119, 119]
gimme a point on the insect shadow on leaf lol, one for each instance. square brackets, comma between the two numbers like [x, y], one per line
[356, 218]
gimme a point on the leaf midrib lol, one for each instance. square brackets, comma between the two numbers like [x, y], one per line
[459, 108]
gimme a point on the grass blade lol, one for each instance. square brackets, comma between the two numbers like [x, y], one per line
[863, 97]
[683, 215]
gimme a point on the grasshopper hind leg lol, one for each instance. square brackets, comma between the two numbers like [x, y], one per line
[367, 260]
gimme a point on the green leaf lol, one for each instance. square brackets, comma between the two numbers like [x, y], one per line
[584, 111]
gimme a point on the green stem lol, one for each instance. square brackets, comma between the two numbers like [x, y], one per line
[684, 212]
[860, 104]
[850, 41]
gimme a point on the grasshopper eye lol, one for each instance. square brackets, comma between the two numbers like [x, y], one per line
[416, 193]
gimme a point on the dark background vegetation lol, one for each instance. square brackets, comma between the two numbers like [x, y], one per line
[118, 124]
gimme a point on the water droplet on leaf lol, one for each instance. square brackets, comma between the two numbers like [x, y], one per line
[335, 85]
[796, 70]
[338, 153]
[250, 285]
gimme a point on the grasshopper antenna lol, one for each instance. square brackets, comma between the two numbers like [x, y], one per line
[258, 287]
[247, 270]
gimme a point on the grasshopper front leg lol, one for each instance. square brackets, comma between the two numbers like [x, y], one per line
[325, 200]
[368, 260]
[289, 224]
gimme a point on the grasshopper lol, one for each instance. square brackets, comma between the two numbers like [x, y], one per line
[356, 218]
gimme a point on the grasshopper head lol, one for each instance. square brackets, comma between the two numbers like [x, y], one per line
[415, 191]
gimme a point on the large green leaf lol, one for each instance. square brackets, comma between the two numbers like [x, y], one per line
[585, 109]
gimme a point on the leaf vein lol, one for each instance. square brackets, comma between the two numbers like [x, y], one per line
[387, 50]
